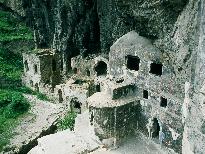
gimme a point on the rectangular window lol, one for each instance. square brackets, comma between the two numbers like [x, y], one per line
[156, 69]
[163, 102]
[98, 89]
[133, 62]
[145, 94]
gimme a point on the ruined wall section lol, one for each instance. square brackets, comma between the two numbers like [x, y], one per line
[41, 69]
[51, 69]
[31, 77]
[83, 66]
[86, 66]
[169, 118]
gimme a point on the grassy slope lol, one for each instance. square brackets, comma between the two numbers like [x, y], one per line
[12, 103]
[11, 30]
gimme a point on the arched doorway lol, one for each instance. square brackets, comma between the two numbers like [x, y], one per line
[26, 65]
[98, 89]
[36, 87]
[155, 128]
[75, 105]
[101, 68]
[88, 72]
[31, 83]
[35, 69]
[60, 96]
[75, 70]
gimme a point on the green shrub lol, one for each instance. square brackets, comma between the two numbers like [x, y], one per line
[42, 96]
[27, 90]
[67, 122]
[19, 105]
[11, 65]
[12, 104]
[5, 99]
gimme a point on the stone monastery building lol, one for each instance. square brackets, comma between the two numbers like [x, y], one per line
[131, 89]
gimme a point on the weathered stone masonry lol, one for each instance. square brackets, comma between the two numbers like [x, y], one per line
[135, 90]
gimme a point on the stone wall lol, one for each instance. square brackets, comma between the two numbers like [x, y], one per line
[169, 119]
[86, 66]
[117, 122]
[41, 69]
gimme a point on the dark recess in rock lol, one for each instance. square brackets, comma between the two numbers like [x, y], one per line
[91, 26]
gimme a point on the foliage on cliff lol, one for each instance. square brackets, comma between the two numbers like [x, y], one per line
[12, 29]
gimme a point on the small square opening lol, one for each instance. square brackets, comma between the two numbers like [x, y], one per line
[133, 62]
[163, 102]
[98, 89]
[35, 68]
[156, 68]
[145, 94]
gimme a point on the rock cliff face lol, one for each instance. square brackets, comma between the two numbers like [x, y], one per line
[91, 26]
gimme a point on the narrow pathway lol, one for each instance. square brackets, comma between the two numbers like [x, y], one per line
[138, 144]
[41, 120]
